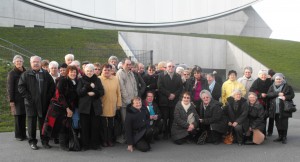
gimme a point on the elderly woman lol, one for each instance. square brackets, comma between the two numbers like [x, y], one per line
[256, 115]
[230, 85]
[185, 120]
[67, 98]
[98, 69]
[212, 118]
[236, 112]
[150, 79]
[278, 93]
[69, 58]
[196, 84]
[137, 129]
[90, 90]
[53, 70]
[111, 101]
[16, 101]
[260, 87]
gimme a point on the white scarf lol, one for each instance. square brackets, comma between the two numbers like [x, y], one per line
[185, 107]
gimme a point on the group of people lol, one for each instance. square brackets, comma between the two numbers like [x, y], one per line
[124, 102]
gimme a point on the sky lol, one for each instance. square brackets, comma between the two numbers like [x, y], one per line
[282, 16]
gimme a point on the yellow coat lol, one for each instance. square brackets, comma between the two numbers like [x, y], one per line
[227, 88]
[111, 100]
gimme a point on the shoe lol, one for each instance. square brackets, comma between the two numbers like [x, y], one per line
[279, 139]
[56, 141]
[284, 140]
[33, 146]
[46, 145]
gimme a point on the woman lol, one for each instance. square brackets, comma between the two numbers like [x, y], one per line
[212, 118]
[53, 70]
[256, 114]
[137, 129]
[185, 120]
[16, 101]
[90, 90]
[260, 87]
[150, 79]
[155, 115]
[111, 101]
[58, 119]
[236, 112]
[196, 84]
[230, 85]
[279, 92]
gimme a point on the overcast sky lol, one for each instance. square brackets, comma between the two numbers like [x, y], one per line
[283, 17]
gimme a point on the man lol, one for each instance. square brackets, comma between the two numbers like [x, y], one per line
[113, 60]
[169, 88]
[141, 69]
[128, 88]
[247, 79]
[37, 87]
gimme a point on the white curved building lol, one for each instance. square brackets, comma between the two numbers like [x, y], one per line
[229, 17]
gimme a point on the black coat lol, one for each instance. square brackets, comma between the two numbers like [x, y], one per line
[240, 115]
[141, 86]
[166, 86]
[214, 116]
[256, 114]
[156, 122]
[289, 95]
[136, 124]
[259, 86]
[66, 93]
[151, 82]
[180, 123]
[87, 102]
[36, 103]
[13, 93]
[217, 91]
[189, 86]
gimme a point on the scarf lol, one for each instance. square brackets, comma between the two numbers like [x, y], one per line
[277, 100]
[150, 108]
[185, 107]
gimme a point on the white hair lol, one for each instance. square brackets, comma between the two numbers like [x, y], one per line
[33, 57]
[75, 63]
[18, 57]
[205, 92]
[69, 56]
[53, 64]
[179, 70]
[235, 91]
[89, 66]
[260, 72]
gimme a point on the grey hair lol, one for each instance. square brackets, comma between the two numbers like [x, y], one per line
[248, 68]
[17, 57]
[75, 63]
[252, 93]
[33, 57]
[53, 64]
[89, 66]
[179, 70]
[113, 58]
[235, 91]
[205, 92]
[211, 75]
[69, 56]
[260, 72]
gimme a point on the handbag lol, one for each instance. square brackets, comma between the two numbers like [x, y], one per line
[289, 106]
[228, 138]
[202, 138]
[74, 144]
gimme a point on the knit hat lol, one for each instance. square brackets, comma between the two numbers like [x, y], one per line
[278, 75]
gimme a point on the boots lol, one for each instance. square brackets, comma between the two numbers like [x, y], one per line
[284, 133]
[279, 139]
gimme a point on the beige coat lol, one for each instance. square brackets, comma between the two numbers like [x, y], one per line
[112, 96]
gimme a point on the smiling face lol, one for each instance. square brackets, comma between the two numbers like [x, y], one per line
[72, 74]
[170, 67]
[106, 72]
[35, 63]
[137, 103]
[252, 98]
[53, 70]
[263, 76]
[247, 73]
[237, 96]
[278, 80]
[186, 99]
[18, 63]
[205, 98]
[232, 77]
[89, 72]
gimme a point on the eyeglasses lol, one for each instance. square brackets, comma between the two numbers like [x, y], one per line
[171, 66]
[97, 69]
[186, 97]
[186, 74]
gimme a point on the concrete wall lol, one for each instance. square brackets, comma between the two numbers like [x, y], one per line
[206, 52]
[243, 22]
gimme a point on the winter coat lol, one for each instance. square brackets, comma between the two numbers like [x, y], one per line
[259, 86]
[256, 114]
[190, 83]
[136, 124]
[240, 115]
[141, 85]
[180, 123]
[272, 95]
[216, 93]
[227, 88]
[87, 102]
[36, 103]
[13, 93]
[151, 82]
[166, 86]
[214, 116]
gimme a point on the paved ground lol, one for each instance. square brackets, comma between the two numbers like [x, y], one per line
[11, 150]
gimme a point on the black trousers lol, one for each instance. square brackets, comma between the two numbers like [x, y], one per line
[212, 135]
[144, 143]
[168, 117]
[90, 130]
[32, 122]
[107, 128]
[281, 123]
[20, 126]
[270, 125]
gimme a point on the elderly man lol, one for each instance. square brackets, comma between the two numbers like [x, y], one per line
[37, 87]
[169, 88]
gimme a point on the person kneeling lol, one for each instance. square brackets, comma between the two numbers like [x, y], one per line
[137, 124]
